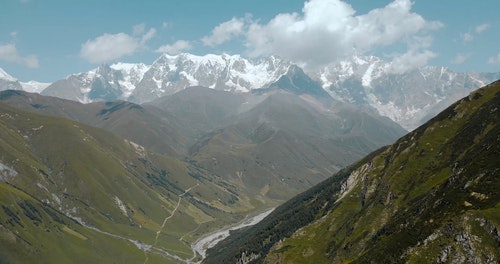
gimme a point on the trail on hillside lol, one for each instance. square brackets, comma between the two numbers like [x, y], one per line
[167, 218]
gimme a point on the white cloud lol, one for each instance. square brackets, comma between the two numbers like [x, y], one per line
[109, 47]
[494, 59]
[165, 25]
[481, 28]
[410, 60]
[460, 58]
[326, 31]
[149, 35]
[176, 48]
[224, 32]
[9, 53]
[467, 37]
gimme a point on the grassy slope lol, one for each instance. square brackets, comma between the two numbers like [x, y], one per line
[271, 146]
[107, 183]
[432, 195]
[125, 119]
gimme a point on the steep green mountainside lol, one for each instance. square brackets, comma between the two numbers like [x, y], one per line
[73, 193]
[431, 197]
[271, 146]
[158, 133]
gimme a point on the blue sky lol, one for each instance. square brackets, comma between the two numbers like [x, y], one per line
[45, 40]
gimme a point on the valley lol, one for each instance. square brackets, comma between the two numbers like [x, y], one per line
[178, 173]
[206, 242]
[432, 196]
[273, 132]
[174, 176]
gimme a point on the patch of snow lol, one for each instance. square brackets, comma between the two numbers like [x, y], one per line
[366, 80]
[326, 83]
[120, 205]
[192, 81]
[34, 87]
[132, 74]
[6, 171]
[157, 82]
[140, 150]
[42, 187]
[56, 199]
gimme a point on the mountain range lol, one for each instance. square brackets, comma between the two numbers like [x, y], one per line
[247, 139]
[148, 159]
[7, 82]
[431, 197]
[84, 182]
[409, 98]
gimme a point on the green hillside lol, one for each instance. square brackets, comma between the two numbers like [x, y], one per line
[271, 146]
[75, 193]
[431, 197]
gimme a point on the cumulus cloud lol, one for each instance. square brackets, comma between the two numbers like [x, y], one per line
[224, 32]
[494, 59]
[175, 48]
[9, 53]
[328, 30]
[109, 47]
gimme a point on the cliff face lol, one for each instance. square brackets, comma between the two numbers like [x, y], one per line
[432, 197]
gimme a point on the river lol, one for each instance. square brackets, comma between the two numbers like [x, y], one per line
[212, 239]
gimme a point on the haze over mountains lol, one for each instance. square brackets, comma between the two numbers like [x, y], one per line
[431, 197]
[272, 145]
[171, 171]
[408, 98]
[213, 138]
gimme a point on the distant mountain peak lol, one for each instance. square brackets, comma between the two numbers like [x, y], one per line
[6, 76]
[409, 98]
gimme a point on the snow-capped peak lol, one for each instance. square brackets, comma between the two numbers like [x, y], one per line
[171, 73]
[34, 86]
[4, 75]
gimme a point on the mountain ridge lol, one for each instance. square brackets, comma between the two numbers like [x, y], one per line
[429, 197]
[408, 97]
[111, 195]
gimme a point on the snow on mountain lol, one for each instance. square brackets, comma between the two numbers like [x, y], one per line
[34, 86]
[132, 74]
[7, 82]
[5, 76]
[105, 83]
[408, 98]
[170, 74]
